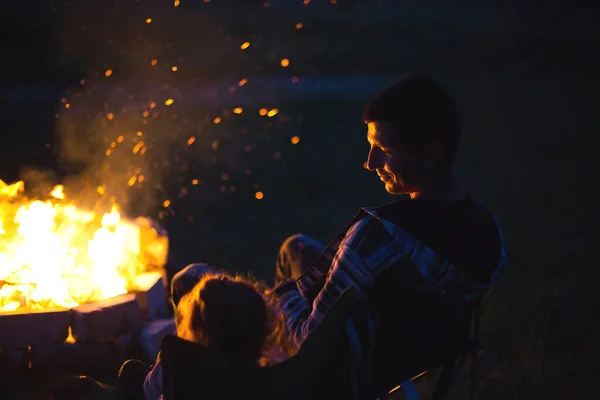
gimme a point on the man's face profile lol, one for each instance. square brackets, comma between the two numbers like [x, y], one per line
[392, 161]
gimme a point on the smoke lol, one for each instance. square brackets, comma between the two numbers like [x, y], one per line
[120, 132]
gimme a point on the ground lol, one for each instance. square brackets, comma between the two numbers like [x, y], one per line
[525, 83]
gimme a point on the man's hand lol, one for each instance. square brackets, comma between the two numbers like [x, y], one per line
[285, 287]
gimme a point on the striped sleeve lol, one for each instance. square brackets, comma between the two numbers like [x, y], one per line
[369, 247]
[366, 251]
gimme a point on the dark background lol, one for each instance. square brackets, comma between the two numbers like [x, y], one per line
[525, 78]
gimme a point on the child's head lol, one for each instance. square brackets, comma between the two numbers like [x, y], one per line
[226, 314]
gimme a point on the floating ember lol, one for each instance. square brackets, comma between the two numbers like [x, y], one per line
[56, 255]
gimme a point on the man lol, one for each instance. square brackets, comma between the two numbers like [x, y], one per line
[418, 263]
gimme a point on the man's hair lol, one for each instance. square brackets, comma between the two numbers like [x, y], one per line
[420, 110]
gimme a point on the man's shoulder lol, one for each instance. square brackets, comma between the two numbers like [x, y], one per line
[400, 210]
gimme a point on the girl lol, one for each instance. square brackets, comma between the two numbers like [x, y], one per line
[233, 317]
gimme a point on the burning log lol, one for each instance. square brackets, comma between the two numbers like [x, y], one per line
[105, 319]
[20, 330]
[150, 291]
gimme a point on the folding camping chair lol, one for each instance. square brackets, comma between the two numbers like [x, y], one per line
[465, 344]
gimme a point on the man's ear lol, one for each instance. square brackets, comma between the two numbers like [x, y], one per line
[432, 153]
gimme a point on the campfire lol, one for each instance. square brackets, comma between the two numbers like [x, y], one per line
[80, 291]
[54, 255]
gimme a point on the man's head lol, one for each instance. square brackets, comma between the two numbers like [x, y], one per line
[414, 132]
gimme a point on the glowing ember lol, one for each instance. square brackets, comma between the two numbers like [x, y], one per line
[55, 255]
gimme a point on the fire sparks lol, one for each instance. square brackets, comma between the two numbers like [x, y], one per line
[153, 105]
[56, 255]
[138, 146]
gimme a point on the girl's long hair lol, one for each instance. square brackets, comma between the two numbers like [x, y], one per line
[235, 317]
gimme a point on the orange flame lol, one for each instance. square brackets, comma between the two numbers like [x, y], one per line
[56, 255]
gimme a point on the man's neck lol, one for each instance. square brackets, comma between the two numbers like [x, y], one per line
[445, 187]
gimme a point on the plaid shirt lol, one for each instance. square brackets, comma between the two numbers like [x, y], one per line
[368, 246]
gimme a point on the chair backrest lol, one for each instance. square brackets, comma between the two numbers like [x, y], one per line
[462, 343]
[413, 331]
[193, 371]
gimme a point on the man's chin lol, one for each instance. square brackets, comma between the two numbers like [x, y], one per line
[394, 188]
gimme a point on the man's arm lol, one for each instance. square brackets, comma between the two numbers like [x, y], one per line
[365, 252]
[370, 247]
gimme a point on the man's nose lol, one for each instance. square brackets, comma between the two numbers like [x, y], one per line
[372, 162]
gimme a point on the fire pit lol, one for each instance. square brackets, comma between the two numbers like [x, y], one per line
[75, 285]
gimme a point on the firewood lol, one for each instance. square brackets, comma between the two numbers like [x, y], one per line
[105, 319]
[152, 334]
[37, 328]
[150, 290]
